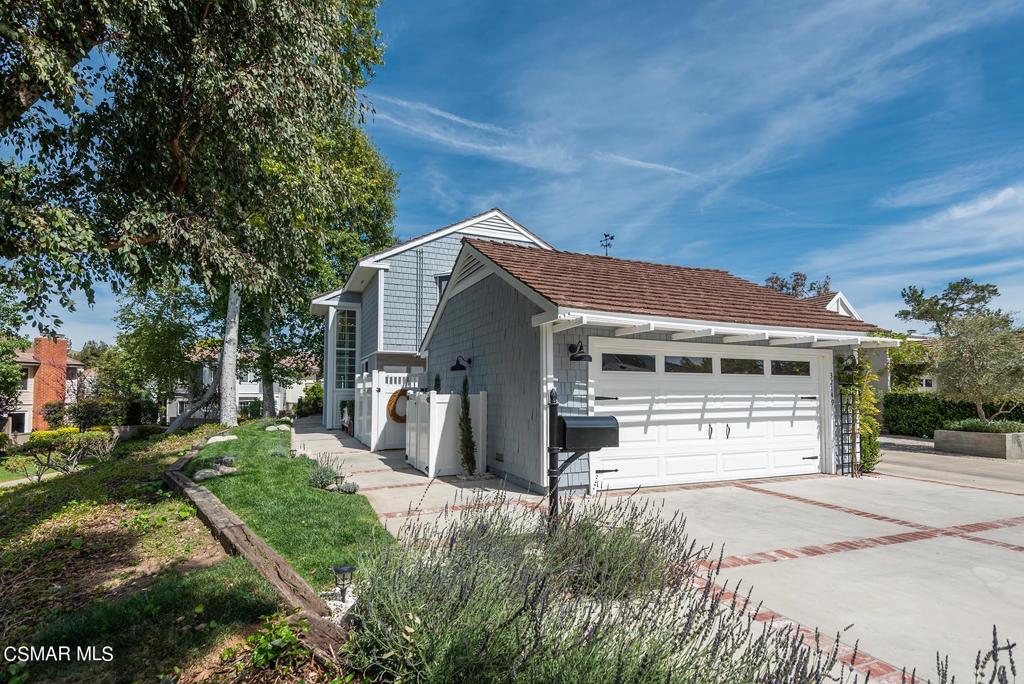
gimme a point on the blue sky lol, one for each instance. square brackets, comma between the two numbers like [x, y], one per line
[880, 142]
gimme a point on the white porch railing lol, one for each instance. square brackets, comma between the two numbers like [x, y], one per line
[432, 432]
[371, 424]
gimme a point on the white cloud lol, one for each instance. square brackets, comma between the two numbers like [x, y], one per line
[981, 238]
[948, 184]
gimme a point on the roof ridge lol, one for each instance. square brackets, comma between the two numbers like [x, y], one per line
[600, 256]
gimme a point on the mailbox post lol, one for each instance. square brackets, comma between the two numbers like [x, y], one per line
[576, 434]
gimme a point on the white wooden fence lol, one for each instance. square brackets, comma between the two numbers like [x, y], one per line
[432, 432]
[371, 424]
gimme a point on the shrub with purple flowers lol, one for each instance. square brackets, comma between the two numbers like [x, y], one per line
[611, 593]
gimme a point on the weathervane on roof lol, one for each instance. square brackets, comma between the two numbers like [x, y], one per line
[606, 242]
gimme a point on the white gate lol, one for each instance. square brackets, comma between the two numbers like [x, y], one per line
[371, 424]
[432, 432]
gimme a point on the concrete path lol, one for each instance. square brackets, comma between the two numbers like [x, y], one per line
[912, 457]
[397, 491]
[7, 484]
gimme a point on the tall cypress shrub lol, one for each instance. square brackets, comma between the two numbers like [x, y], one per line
[467, 445]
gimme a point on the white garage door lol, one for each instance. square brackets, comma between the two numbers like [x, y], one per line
[689, 414]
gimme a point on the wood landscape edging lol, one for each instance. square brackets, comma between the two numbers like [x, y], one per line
[238, 539]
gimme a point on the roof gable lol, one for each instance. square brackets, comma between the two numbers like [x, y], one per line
[493, 224]
[599, 283]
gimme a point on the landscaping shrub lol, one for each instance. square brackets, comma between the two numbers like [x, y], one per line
[61, 450]
[55, 413]
[503, 598]
[979, 425]
[140, 412]
[349, 487]
[921, 414]
[321, 476]
[88, 412]
[870, 452]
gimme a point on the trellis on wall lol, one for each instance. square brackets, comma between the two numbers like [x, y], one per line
[846, 431]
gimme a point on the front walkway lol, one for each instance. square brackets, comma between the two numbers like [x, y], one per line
[396, 490]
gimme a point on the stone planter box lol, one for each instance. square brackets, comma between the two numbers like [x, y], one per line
[1009, 445]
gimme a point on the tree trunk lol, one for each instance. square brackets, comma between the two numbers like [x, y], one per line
[229, 360]
[980, 408]
[198, 403]
[267, 366]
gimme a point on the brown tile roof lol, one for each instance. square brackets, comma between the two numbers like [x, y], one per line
[602, 283]
[821, 300]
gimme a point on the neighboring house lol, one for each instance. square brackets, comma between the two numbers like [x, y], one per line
[47, 375]
[248, 388]
[711, 377]
[376, 321]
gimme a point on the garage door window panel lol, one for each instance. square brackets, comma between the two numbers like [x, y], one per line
[688, 364]
[628, 363]
[800, 369]
[742, 366]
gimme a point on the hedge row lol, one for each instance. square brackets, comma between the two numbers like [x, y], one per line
[921, 414]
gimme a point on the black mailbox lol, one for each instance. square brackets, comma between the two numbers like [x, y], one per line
[587, 433]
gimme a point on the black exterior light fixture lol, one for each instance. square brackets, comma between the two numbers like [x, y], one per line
[343, 578]
[577, 352]
[458, 365]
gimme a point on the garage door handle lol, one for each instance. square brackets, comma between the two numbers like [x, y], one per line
[711, 431]
[600, 398]
[810, 458]
[609, 470]
[728, 430]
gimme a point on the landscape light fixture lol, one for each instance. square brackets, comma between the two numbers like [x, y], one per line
[577, 352]
[458, 365]
[343, 578]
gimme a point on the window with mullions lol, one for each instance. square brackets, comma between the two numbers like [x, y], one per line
[345, 350]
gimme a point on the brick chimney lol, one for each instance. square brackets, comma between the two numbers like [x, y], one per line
[51, 376]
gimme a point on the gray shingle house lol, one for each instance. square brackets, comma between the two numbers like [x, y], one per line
[710, 377]
[376, 321]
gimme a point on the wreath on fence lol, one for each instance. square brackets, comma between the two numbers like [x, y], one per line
[393, 414]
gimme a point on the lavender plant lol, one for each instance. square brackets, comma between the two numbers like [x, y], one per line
[613, 592]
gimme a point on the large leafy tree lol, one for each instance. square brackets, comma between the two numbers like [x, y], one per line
[10, 343]
[982, 361]
[357, 219]
[961, 298]
[797, 285]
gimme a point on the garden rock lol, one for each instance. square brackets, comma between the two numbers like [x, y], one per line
[332, 487]
[226, 460]
[205, 474]
[221, 438]
[280, 428]
[225, 469]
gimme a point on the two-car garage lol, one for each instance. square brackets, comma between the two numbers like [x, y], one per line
[700, 412]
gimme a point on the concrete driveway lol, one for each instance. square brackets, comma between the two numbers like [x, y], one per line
[904, 567]
[903, 564]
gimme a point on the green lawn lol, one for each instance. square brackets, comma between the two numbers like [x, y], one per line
[312, 528]
[108, 556]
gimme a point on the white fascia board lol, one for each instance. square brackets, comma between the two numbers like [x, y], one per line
[841, 342]
[749, 337]
[783, 341]
[568, 324]
[543, 318]
[693, 334]
[615, 319]
[638, 329]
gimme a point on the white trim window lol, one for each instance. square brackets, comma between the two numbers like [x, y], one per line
[345, 350]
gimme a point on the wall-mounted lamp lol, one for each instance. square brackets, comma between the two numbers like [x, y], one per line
[578, 353]
[458, 365]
